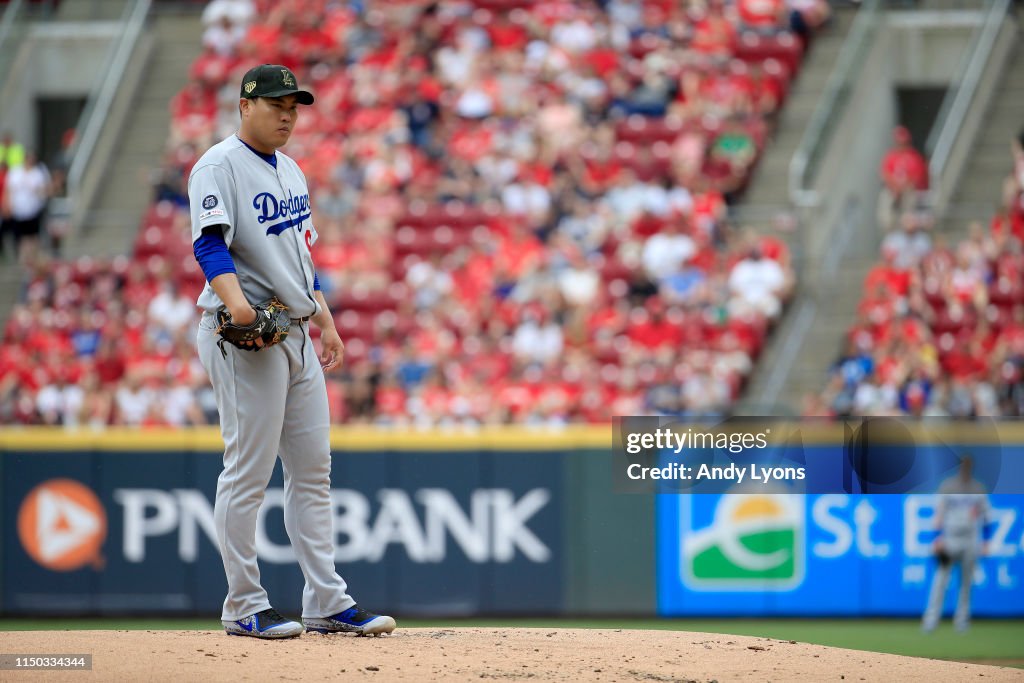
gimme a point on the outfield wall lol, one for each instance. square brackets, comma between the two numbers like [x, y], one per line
[500, 523]
[496, 523]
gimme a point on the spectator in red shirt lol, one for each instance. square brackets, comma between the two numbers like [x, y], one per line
[714, 35]
[193, 115]
[895, 279]
[904, 174]
[651, 329]
[506, 34]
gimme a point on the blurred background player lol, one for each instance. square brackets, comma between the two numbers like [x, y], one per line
[960, 515]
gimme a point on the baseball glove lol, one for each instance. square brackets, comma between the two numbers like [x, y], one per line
[943, 557]
[271, 325]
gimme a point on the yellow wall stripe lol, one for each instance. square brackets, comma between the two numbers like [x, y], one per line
[809, 433]
[342, 438]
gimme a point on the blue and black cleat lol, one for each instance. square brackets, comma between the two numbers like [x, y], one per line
[265, 624]
[353, 620]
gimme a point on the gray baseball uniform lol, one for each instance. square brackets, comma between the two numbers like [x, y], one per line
[272, 402]
[963, 509]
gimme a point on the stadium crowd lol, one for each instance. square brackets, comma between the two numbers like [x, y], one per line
[940, 329]
[521, 208]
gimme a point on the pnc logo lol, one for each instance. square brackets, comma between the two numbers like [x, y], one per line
[62, 525]
[754, 542]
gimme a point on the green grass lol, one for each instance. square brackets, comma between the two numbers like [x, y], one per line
[988, 640]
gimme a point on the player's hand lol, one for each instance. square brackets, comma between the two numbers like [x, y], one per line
[333, 352]
[245, 316]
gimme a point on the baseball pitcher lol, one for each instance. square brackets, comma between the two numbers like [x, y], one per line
[252, 235]
[960, 517]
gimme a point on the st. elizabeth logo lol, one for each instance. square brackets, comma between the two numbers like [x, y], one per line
[754, 542]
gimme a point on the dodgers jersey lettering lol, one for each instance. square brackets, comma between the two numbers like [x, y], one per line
[267, 226]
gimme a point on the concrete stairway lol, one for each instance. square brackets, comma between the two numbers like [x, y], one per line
[811, 334]
[92, 10]
[113, 220]
[771, 180]
[768, 195]
[12, 280]
[980, 188]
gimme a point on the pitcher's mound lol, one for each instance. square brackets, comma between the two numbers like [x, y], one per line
[472, 654]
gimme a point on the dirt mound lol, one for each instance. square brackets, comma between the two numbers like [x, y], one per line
[464, 654]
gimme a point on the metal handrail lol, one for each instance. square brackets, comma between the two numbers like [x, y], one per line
[958, 100]
[950, 96]
[98, 106]
[816, 134]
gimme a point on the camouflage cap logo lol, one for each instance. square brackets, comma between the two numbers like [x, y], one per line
[249, 87]
[287, 79]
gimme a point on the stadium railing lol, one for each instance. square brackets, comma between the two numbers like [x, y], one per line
[840, 83]
[952, 120]
[97, 107]
[7, 22]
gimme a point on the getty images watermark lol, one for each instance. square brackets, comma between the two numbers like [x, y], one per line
[870, 455]
[677, 440]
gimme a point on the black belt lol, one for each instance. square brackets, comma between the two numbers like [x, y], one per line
[300, 320]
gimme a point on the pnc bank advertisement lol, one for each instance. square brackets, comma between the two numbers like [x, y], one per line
[836, 554]
[423, 532]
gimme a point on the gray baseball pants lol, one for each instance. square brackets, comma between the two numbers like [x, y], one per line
[273, 402]
[937, 597]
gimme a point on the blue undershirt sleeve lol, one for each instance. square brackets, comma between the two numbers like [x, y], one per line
[316, 282]
[212, 254]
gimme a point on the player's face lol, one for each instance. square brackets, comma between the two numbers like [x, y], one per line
[269, 121]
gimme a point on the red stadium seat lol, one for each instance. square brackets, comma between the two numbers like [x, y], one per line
[784, 47]
[1003, 292]
[361, 300]
[613, 269]
[954, 322]
[503, 5]
[642, 130]
[354, 325]
[643, 44]
[647, 225]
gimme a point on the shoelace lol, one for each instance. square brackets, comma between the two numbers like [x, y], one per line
[270, 617]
